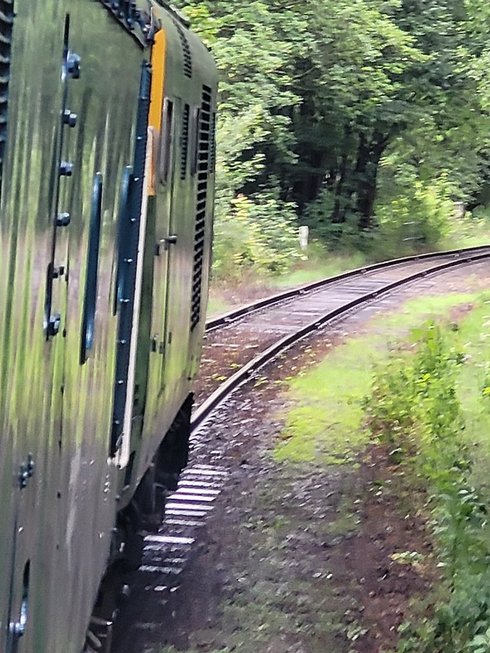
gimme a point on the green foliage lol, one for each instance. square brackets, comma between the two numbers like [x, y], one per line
[255, 234]
[414, 407]
[413, 216]
[329, 106]
[469, 230]
[254, 44]
[337, 235]
[418, 217]
[325, 421]
[416, 402]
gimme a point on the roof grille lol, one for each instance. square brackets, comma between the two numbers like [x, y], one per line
[203, 163]
[185, 49]
[6, 26]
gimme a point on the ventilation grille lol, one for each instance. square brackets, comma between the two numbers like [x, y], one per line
[186, 50]
[6, 25]
[212, 156]
[184, 142]
[203, 161]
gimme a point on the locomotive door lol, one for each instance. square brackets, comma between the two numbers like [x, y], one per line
[172, 241]
[168, 244]
[33, 301]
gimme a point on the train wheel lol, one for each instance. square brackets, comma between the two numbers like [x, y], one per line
[173, 453]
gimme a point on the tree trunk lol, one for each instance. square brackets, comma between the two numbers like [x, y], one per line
[367, 168]
[338, 213]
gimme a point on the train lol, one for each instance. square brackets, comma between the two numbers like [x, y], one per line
[107, 158]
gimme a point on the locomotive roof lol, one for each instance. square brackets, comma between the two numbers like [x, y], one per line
[175, 12]
[135, 15]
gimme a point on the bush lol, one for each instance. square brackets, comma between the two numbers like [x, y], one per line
[414, 408]
[258, 233]
[335, 235]
[412, 216]
[418, 218]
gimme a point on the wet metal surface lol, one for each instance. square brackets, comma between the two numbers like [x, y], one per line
[71, 137]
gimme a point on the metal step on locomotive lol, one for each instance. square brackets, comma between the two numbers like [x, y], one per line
[107, 115]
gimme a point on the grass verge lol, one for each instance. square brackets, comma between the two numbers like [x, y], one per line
[326, 421]
[431, 405]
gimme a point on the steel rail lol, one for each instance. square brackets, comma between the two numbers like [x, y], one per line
[466, 256]
[247, 309]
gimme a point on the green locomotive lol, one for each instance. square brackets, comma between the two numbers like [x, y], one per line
[107, 114]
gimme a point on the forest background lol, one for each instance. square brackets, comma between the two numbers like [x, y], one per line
[366, 120]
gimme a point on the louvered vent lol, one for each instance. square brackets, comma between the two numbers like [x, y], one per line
[184, 142]
[203, 161]
[6, 24]
[186, 50]
[212, 158]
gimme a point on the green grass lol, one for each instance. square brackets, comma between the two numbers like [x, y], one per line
[468, 232]
[217, 304]
[420, 309]
[319, 267]
[324, 424]
[473, 339]
[325, 421]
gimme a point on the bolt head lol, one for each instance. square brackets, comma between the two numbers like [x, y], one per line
[70, 118]
[73, 65]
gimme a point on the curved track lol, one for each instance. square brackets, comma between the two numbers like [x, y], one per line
[241, 342]
[260, 335]
[424, 259]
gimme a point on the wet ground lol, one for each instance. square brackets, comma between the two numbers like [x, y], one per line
[294, 558]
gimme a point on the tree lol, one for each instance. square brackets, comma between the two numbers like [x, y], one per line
[340, 108]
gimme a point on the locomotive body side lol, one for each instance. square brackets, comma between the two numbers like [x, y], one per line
[180, 211]
[81, 163]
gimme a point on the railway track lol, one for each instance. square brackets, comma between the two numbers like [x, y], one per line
[241, 342]
[238, 345]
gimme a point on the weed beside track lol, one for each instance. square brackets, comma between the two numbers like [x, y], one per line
[430, 407]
